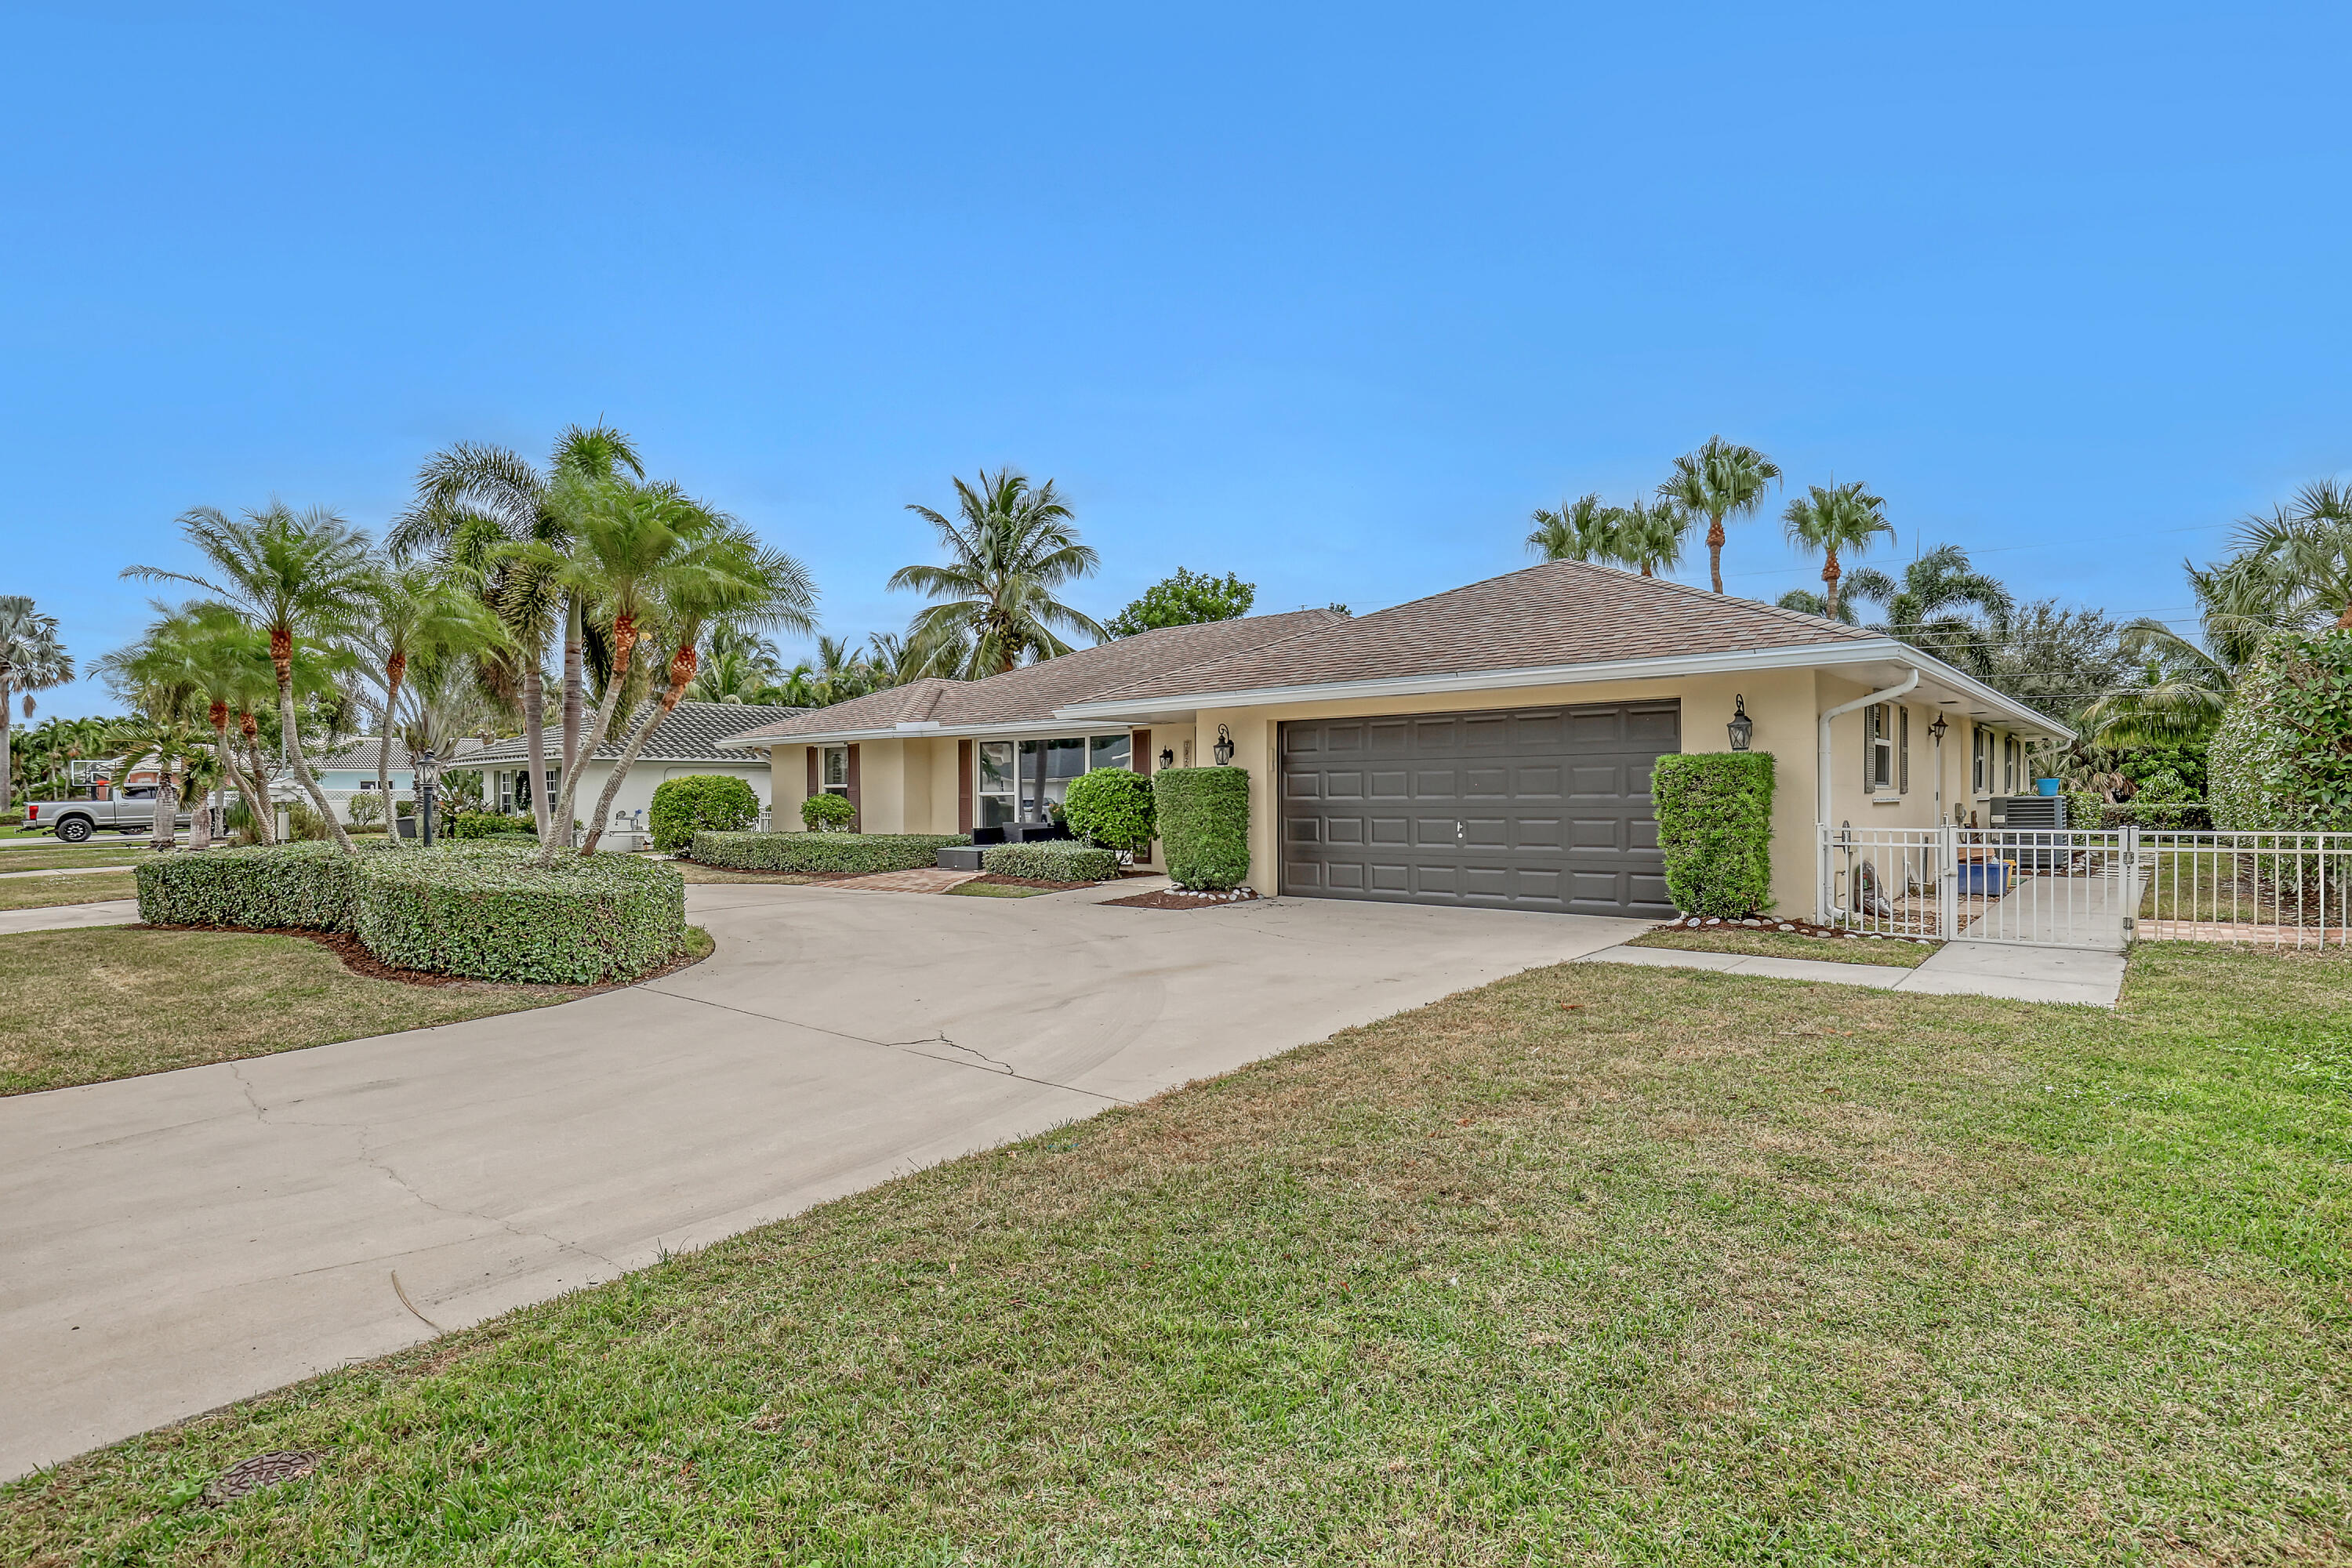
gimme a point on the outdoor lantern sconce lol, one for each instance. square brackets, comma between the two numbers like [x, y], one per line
[1224, 750]
[1742, 728]
[1167, 757]
[1936, 731]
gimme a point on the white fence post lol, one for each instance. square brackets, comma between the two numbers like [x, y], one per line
[2131, 882]
[1948, 883]
[1820, 873]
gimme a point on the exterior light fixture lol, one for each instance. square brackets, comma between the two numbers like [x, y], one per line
[1167, 757]
[1742, 728]
[429, 775]
[1936, 731]
[1224, 750]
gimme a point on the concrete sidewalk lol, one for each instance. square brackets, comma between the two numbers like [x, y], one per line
[2018, 973]
[66, 917]
[171, 1243]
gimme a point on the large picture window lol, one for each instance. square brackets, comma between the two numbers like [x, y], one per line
[1020, 780]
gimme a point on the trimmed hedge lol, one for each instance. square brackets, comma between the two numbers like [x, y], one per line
[1204, 826]
[2281, 760]
[488, 913]
[481, 910]
[822, 851]
[289, 887]
[827, 813]
[699, 803]
[491, 824]
[1051, 861]
[1112, 806]
[1715, 825]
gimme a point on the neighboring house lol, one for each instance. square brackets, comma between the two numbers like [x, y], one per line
[685, 744]
[1491, 745]
[353, 768]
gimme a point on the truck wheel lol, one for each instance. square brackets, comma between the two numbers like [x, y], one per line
[74, 830]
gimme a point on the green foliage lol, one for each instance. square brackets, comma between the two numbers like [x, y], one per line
[1715, 825]
[2281, 759]
[1203, 815]
[1112, 806]
[1186, 599]
[289, 887]
[487, 913]
[490, 825]
[827, 813]
[822, 851]
[304, 824]
[363, 810]
[715, 803]
[12, 819]
[1051, 861]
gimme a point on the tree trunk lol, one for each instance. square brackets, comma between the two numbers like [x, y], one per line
[200, 822]
[8, 778]
[165, 832]
[571, 681]
[1715, 550]
[393, 669]
[233, 776]
[282, 654]
[682, 660]
[534, 712]
[265, 815]
[1829, 574]
[624, 639]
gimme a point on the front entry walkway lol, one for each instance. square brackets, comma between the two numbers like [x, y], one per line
[2022, 973]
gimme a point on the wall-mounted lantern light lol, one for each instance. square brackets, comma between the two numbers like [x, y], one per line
[1936, 731]
[1167, 757]
[1224, 750]
[1742, 728]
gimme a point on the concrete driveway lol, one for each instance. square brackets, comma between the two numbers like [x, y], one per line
[169, 1244]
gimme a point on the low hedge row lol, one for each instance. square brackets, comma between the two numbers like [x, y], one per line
[822, 851]
[482, 911]
[1051, 861]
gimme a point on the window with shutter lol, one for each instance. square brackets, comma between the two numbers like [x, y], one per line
[1903, 785]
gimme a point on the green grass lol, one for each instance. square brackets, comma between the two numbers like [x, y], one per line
[65, 857]
[995, 890]
[1891, 950]
[39, 892]
[1589, 1265]
[82, 1006]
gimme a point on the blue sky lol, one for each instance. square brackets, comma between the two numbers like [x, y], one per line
[1330, 297]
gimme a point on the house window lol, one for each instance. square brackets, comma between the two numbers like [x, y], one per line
[1879, 753]
[1979, 760]
[514, 789]
[1903, 751]
[367, 784]
[1020, 781]
[2009, 749]
[833, 771]
[997, 785]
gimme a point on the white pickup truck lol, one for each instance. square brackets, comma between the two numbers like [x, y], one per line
[73, 821]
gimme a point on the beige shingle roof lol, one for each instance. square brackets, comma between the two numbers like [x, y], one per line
[1560, 613]
[1032, 692]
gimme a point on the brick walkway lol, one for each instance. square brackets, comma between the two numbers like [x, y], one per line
[927, 880]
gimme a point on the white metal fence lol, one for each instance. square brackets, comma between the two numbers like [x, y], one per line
[2088, 888]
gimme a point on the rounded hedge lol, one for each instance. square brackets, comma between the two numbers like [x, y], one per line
[2281, 759]
[1113, 807]
[492, 914]
[699, 803]
[1051, 861]
[1714, 829]
[1204, 817]
[824, 813]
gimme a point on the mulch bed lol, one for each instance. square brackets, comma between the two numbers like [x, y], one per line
[1169, 898]
[359, 961]
[990, 879]
[1789, 927]
[772, 876]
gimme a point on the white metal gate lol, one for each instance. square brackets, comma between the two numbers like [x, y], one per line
[2088, 888]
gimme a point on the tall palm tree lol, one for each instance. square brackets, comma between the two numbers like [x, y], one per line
[1928, 608]
[31, 660]
[1719, 481]
[2303, 553]
[209, 652]
[1805, 602]
[735, 663]
[2184, 683]
[1842, 521]
[724, 577]
[412, 611]
[473, 501]
[1581, 529]
[1649, 535]
[1013, 546]
[297, 577]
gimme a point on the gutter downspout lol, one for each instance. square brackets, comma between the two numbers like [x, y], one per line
[1821, 789]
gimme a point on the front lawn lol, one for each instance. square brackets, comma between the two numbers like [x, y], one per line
[1894, 951]
[66, 856]
[78, 1006]
[1588, 1266]
[38, 892]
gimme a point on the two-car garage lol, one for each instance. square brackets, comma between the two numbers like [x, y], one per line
[1527, 808]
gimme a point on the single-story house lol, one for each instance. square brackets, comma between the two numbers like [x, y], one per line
[1489, 745]
[352, 768]
[683, 744]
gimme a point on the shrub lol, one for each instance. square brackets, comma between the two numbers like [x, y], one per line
[489, 825]
[304, 824]
[363, 810]
[12, 819]
[287, 886]
[487, 912]
[822, 851]
[827, 813]
[716, 802]
[1113, 807]
[1052, 860]
[1715, 825]
[2281, 759]
[1203, 817]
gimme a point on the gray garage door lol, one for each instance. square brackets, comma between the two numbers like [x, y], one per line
[1532, 808]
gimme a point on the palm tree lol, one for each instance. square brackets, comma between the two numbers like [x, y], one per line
[2303, 555]
[31, 660]
[2184, 683]
[1649, 535]
[1805, 602]
[1013, 547]
[1924, 608]
[209, 652]
[475, 501]
[1841, 521]
[724, 578]
[297, 577]
[413, 611]
[1581, 529]
[736, 664]
[1719, 481]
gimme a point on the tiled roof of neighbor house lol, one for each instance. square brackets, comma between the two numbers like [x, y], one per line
[1563, 612]
[691, 734]
[359, 756]
[1032, 693]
